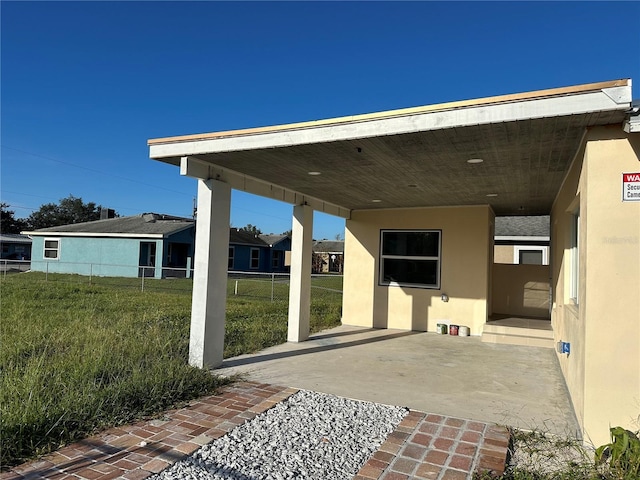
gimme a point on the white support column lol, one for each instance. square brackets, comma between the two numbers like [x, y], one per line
[300, 284]
[209, 297]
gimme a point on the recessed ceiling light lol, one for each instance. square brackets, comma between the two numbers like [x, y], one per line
[376, 201]
[314, 173]
[492, 194]
[475, 160]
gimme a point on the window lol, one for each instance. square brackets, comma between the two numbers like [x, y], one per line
[255, 259]
[51, 248]
[232, 253]
[575, 256]
[410, 258]
[530, 255]
[275, 259]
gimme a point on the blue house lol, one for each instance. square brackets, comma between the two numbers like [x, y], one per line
[150, 245]
[257, 253]
[14, 246]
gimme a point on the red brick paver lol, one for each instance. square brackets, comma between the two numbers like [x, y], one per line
[137, 451]
[437, 447]
[423, 446]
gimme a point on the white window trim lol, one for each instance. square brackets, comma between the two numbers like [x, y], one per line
[518, 248]
[438, 259]
[251, 258]
[44, 248]
[231, 261]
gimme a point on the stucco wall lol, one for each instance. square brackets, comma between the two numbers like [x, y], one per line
[465, 272]
[603, 370]
[521, 290]
[113, 257]
[503, 254]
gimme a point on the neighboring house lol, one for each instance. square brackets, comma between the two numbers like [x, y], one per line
[522, 240]
[150, 244]
[280, 247]
[420, 189]
[328, 256]
[257, 253]
[15, 246]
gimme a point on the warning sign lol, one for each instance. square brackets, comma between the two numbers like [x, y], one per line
[631, 187]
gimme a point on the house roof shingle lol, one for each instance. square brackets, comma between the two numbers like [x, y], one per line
[143, 224]
[14, 238]
[271, 240]
[524, 226]
[328, 246]
[242, 237]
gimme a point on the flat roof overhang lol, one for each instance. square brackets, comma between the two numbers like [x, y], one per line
[413, 157]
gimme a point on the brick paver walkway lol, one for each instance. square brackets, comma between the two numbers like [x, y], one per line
[423, 446]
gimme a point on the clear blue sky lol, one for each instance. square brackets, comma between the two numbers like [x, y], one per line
[85, 84]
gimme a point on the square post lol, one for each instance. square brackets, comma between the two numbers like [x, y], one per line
[206, 343]
[300, 284]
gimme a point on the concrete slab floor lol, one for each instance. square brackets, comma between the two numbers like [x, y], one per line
[446, 375]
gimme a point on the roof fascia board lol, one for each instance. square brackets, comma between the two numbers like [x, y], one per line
[439, 120]
[613, 85]
[95, 235]
[197, 168]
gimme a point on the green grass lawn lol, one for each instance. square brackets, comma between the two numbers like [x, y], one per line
[78, 357]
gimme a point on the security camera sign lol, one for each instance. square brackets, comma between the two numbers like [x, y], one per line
[631, 187]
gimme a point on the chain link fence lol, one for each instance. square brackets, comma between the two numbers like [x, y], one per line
[13, 266]
[272, 287]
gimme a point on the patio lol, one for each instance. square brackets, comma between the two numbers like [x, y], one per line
[440, 374]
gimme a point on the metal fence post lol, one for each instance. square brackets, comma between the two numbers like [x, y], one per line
[90, 272]
[46, 275]
[235, 289]
[144, 272]
[273, 278]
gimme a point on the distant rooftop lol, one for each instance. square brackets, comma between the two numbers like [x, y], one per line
[143, 224]
[14, 238]
[525, 226]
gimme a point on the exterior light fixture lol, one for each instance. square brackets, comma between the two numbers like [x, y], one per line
[475, 160]
[314, 173]
[444, 297]
[492, 194]
[412, 185]
[375, 200]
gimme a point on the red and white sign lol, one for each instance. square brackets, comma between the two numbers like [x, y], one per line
[631, 187]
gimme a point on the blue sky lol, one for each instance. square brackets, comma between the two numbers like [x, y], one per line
[84, 85]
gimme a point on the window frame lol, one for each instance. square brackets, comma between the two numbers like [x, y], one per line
[251, 259]
[518, 249]
[275, 259]
[437, 259]
[231, 259]
[56, 249]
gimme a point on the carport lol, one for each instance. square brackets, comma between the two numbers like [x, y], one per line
[420, 188]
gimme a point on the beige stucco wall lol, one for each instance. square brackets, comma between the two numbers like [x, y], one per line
[603, 370]
[521, 290]
[503, 254]
[467, 249]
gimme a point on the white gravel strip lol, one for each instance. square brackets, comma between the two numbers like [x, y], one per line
[309, 435]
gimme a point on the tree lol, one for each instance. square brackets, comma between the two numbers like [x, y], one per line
[251, 229]
[69, 210]
[288, 233]
[9, 223]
